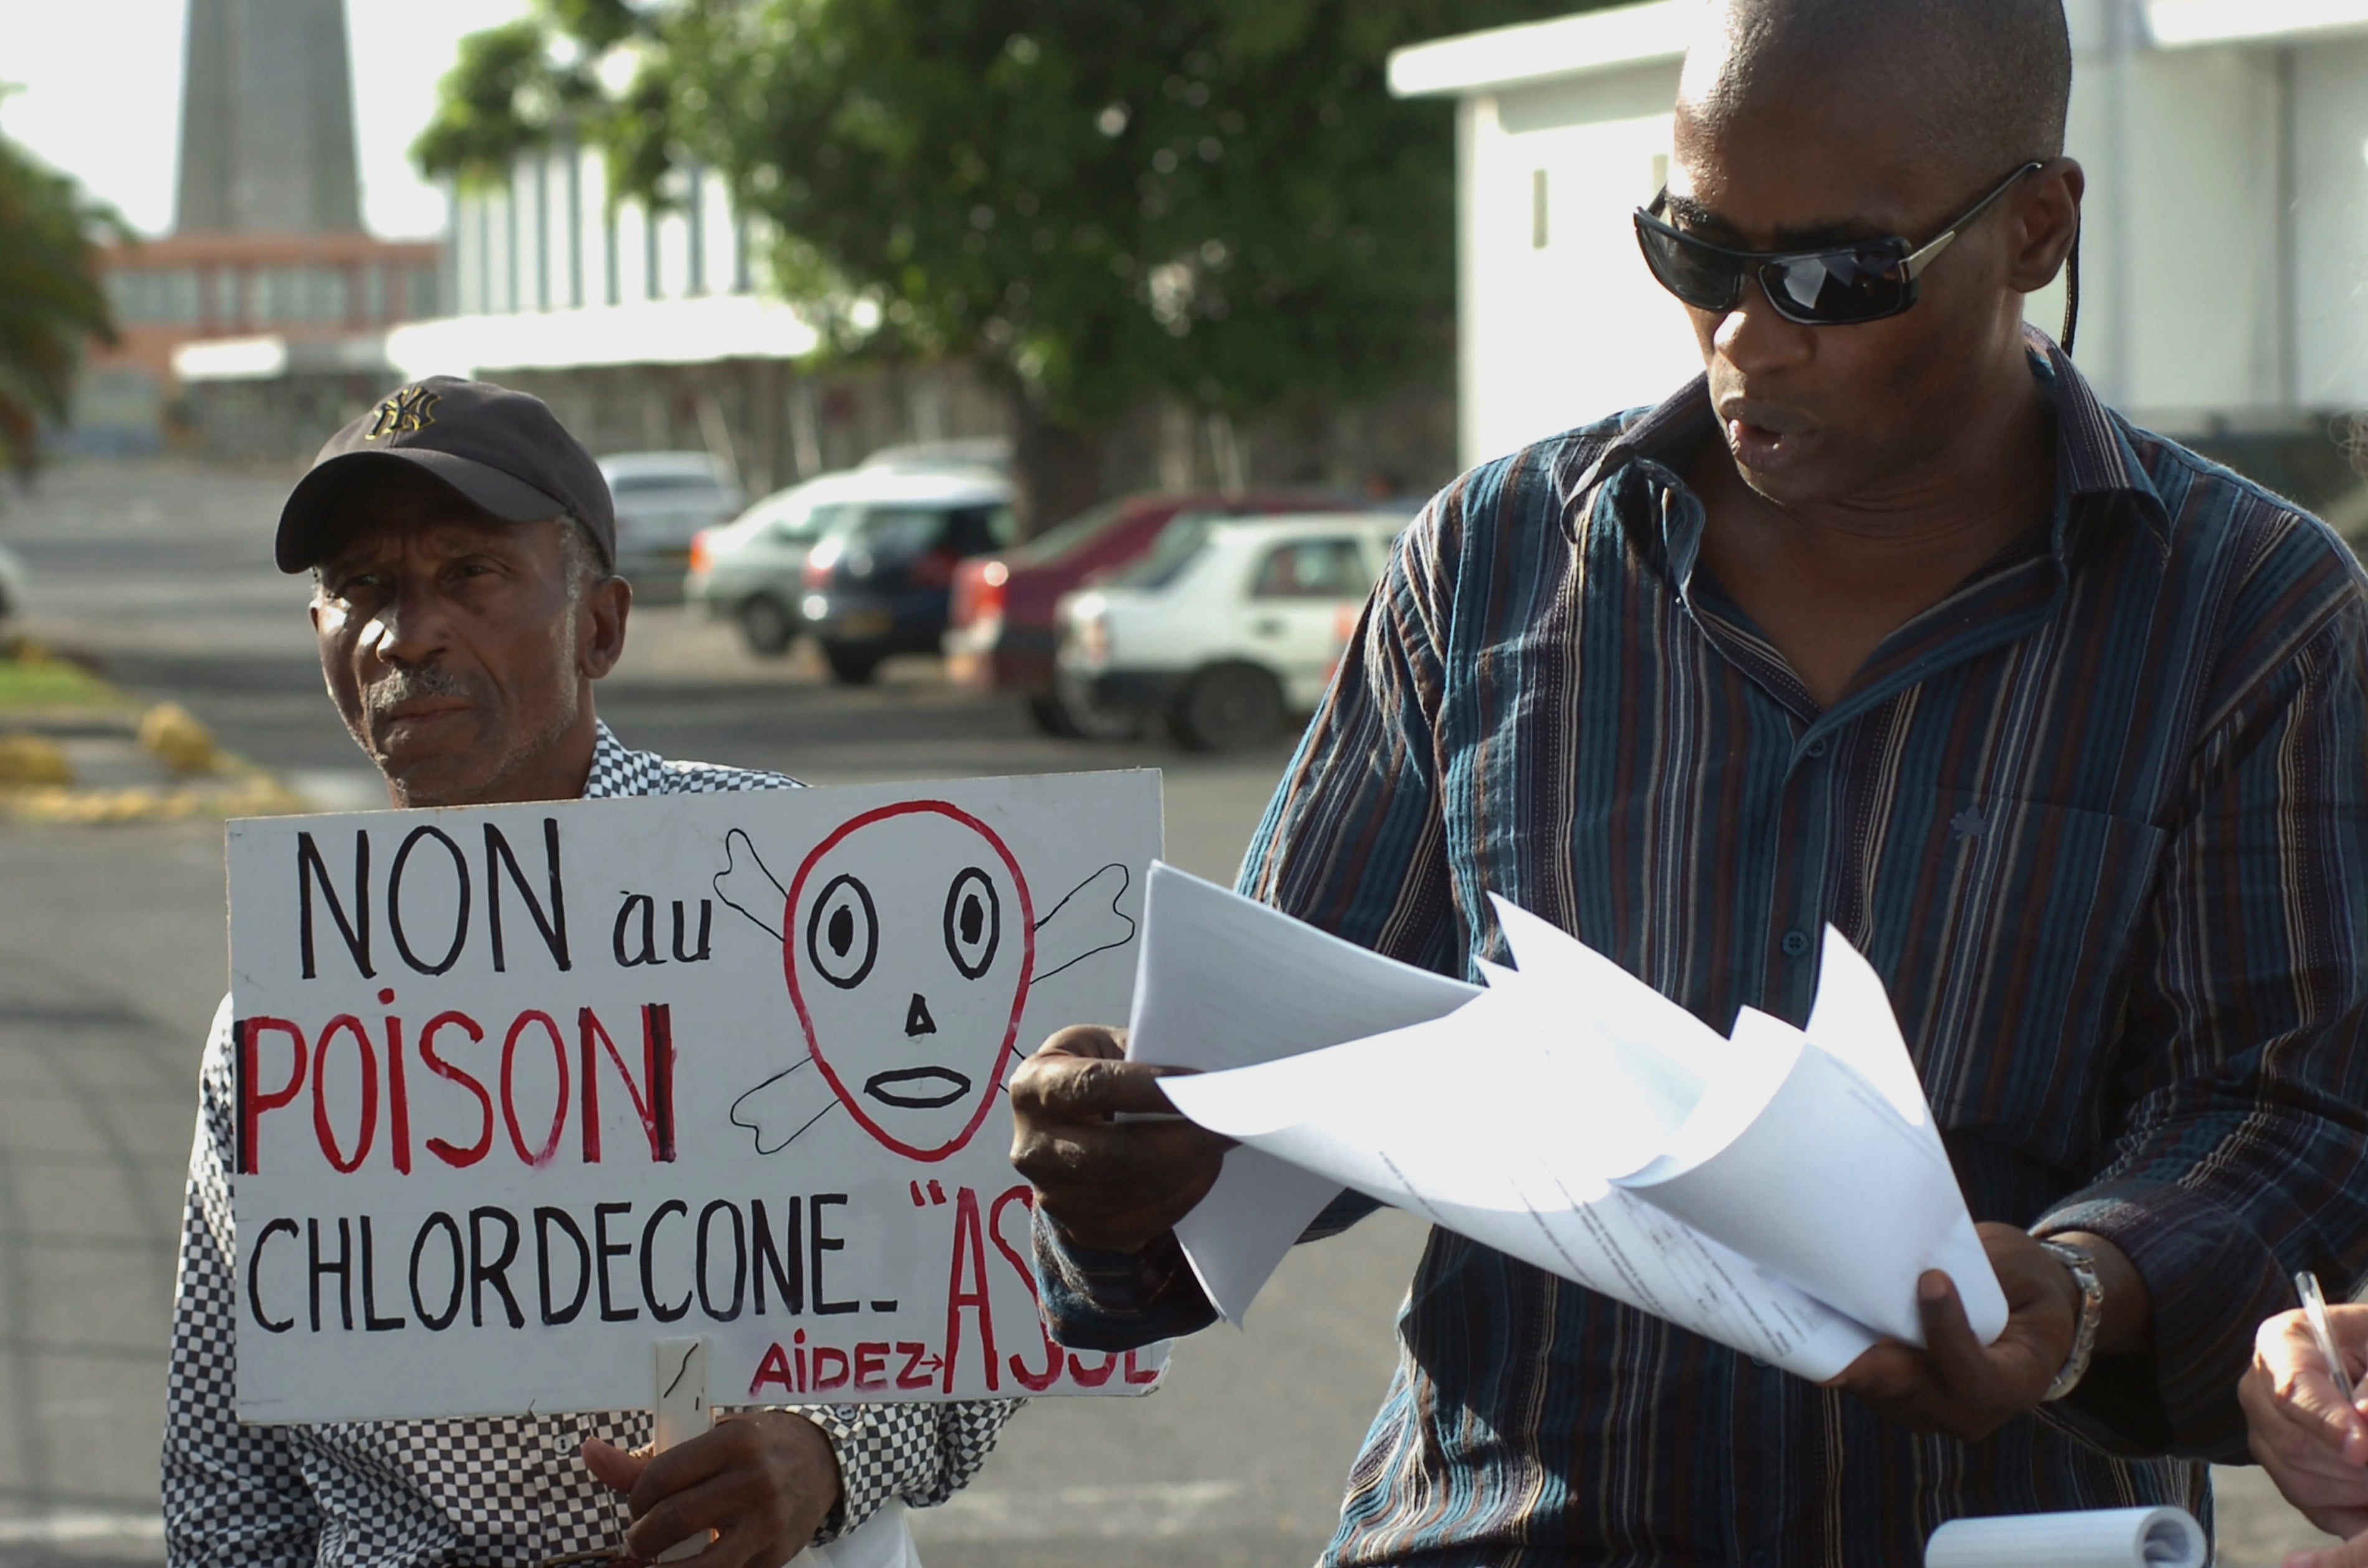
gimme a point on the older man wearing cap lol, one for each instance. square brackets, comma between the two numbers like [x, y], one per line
[462, 545]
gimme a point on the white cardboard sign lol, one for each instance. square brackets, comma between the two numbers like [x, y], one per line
[521, 1090]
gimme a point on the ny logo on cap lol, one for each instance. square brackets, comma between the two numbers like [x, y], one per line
[407, 409]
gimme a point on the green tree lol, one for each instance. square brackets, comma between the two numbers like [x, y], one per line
[1215, 200]
[50, 298]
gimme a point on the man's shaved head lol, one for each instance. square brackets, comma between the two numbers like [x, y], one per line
[1983, 83]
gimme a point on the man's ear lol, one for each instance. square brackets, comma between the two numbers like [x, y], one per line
[600, 627]
[2046, 219]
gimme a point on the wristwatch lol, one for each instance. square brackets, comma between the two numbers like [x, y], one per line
[2083, 1264]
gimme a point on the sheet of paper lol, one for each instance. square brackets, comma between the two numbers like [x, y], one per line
[1779, 1190]
[1827, 1186]
[2106, 1538]
[1512, 1172]
[1224, 982]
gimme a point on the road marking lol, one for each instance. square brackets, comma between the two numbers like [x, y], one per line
[64, 1529]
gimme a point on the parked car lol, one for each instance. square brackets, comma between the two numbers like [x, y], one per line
[12, 584]
[662, 499]
[878, 577]
[1001, 634]
[752, 570]
[964, 453]
[1228, 627]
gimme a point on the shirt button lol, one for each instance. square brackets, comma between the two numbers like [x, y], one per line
[1760, 1362]
[1796, 943]
[1816, 747]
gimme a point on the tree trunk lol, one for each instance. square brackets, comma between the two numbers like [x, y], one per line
[1057, 466]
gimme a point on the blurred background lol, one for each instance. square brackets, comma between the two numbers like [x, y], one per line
[986, 386]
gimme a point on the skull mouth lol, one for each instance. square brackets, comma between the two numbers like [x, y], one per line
[902, 1089]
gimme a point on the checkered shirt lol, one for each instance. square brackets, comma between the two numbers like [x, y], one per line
[484, 1492]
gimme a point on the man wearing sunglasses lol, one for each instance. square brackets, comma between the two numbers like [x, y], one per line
[1886, 623]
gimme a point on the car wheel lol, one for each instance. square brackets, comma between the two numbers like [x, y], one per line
[850, 665]
[766, 626]
[1226, 708]
[1050, 715]
[1089, 721]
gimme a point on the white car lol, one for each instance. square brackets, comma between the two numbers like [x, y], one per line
[1228, 628]
[662, 499]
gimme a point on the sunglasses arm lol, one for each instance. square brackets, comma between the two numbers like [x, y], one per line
[1917, 260]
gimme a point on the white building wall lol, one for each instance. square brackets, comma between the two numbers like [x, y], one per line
[562, 240]
[533, 264]
[1574, 328]
[2331, 226]
[2182, 233]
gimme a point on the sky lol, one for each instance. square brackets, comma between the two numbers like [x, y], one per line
[100, 96]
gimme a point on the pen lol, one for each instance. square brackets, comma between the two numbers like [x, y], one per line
[2314, 1307]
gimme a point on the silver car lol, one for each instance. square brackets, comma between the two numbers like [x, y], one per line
[752, 570]
[662, 499]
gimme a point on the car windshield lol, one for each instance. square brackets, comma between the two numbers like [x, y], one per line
[1178, 549]
[807, 523]
[1075, 534]
[665, 484]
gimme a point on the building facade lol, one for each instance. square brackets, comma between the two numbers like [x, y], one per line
[662, 330]
[264, 310]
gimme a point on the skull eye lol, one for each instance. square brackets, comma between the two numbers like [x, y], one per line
[973, 922]
[843, 933]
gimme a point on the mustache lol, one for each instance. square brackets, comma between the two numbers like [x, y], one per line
[398, 687]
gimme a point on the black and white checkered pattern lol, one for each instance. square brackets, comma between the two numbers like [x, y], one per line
[487, 1493]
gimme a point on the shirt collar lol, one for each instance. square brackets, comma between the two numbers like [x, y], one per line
[2094, 457]
[614, 768]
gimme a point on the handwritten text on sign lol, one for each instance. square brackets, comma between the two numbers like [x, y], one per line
[520, 1089]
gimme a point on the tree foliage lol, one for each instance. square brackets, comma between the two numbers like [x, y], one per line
[1218, 198]
[50, 296]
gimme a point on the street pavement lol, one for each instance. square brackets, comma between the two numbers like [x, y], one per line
[112, 957]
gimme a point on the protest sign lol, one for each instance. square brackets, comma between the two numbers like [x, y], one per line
[522, 1090]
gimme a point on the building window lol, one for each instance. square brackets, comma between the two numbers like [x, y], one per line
[374, 291]
[161, 297]
[419, 294]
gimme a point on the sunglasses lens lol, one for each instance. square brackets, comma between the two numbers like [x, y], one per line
[1702, 277]
[1838, 286]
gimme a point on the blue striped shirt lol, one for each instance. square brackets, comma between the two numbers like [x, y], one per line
[2097, 818]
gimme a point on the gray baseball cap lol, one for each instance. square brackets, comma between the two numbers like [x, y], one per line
[502, 451]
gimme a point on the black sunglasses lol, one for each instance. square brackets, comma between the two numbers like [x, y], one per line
[1836, 285]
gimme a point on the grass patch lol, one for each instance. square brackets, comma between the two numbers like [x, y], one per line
[53, 683]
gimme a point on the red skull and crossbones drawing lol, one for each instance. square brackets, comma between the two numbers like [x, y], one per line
[908, 983]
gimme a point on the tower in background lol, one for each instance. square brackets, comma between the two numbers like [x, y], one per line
[260, 322]
[267, 120]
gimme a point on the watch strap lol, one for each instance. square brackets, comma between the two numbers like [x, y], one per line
[2082, 1265]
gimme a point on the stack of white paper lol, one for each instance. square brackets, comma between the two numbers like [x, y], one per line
[2107, 1537]
[1779, 1190]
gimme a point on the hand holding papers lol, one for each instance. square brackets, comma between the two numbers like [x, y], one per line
[1222, 981]
[1779, 1190]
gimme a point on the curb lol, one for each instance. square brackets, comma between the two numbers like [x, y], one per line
[201, 780]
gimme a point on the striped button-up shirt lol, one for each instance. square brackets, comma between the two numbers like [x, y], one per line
[2099, 818]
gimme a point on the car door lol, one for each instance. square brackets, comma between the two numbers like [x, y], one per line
[1303, 597]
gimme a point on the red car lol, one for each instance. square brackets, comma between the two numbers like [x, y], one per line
[1001, 635]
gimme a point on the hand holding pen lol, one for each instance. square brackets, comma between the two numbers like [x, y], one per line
[2303, 1418]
